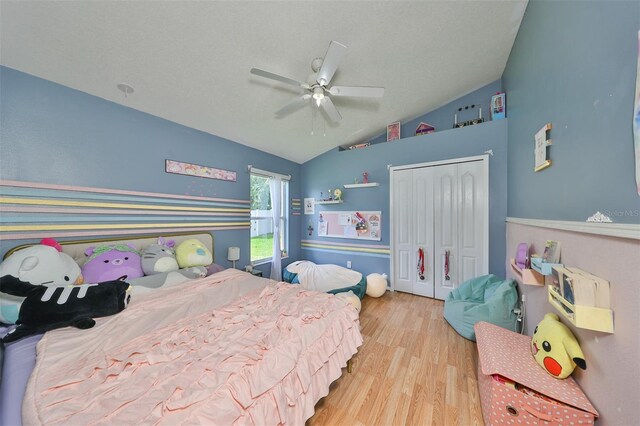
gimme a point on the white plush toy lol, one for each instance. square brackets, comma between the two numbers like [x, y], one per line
[352, 299]
[376, 285]
[39, 265]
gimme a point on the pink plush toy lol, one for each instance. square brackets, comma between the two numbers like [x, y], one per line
[111, 262]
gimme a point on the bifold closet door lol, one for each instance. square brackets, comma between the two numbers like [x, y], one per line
[403, 258]
[422, 212]
[445, 225]
[460, 197]
[413, 230]
[441, 210]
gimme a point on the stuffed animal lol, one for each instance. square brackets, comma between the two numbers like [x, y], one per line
[159, 258]
[40, 265]
[193, 253]
[166, 279]
[555, 348]
[111, 262]
[48, 308]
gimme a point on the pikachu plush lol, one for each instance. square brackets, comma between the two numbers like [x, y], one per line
[555, 348]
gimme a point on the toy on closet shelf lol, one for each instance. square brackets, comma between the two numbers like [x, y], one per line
[112, 262]
[555, 348]
[40, 264]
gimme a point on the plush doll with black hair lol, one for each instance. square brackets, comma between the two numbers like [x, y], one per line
[48, 308]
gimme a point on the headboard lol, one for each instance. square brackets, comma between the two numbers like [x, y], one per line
[76, 249]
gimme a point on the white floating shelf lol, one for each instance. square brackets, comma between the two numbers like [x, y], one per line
[328, 202]
[361, 185]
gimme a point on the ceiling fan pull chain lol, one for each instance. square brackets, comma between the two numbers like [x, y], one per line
[313, 119]
[324, 128]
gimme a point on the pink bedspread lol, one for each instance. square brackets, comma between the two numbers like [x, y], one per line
[226, 349]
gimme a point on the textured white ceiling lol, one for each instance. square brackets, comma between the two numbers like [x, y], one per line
[189, 62]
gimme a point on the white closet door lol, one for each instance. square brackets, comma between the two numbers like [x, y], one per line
[403, 255]
[422, 212]
[472, 196]
[441, 208]
[445, 223]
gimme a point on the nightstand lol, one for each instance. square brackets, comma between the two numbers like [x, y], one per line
[256, 272]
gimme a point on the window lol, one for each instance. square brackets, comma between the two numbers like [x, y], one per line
[261, 219]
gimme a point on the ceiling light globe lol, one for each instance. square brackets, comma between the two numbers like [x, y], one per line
[318, 94]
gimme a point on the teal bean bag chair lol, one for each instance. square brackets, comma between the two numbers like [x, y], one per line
[486, 298]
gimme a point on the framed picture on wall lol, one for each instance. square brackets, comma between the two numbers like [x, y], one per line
[393, 131]
[309, 206]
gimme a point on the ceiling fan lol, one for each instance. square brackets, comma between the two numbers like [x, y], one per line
[316, 87]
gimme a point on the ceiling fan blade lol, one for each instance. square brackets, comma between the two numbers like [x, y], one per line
[296, 103]
[272, 76]
[331, 61]
[362, 92]
[330, 109]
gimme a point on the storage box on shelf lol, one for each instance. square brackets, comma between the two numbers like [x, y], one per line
[542, 267]
[514, 389]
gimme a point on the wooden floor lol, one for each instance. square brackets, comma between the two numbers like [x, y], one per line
[412, 369]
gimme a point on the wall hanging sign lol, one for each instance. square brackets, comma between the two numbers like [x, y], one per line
[309, 206]
[424, 129]
[541, 144]
[636, 120]
[181, 168]
[357, 225]
[393, 131]
[498, 106]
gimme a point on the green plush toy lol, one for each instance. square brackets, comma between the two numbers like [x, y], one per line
[555, 348]
[193, 253]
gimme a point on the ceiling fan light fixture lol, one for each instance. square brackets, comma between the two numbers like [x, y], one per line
[318, 95]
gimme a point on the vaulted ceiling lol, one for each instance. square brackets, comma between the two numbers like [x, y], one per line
[189, 62]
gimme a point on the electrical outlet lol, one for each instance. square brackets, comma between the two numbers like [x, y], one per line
[349, 264]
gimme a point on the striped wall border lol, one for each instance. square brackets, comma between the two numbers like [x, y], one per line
[373, 250]
[295, 206]
[30, 210]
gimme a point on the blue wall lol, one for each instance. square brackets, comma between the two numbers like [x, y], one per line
[335, 168]
[54, 134]
[442, 118]
[574, 64]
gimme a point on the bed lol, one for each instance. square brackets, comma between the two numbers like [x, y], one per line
[332, 279]
[230, 348]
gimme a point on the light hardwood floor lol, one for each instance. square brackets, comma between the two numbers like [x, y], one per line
[412, 369]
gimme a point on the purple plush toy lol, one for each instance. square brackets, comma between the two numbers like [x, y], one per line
[110, 263]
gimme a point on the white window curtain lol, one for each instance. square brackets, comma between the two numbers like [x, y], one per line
[275, 185]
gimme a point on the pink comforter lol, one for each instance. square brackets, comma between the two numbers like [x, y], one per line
[226, 349]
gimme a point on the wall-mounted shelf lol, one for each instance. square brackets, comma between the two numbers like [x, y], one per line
[328, 202]
[361, 185]
[527, 276]
[587, 317]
